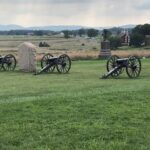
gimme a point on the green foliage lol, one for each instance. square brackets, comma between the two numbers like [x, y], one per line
[142, 29]
[92, 33]
[27, 32]
[75, 111]
[39, 33]
[43, 44]
[106, 34]
[136, 39]
[138, 34]
[81, 32]
[115, 42]
[66, 34]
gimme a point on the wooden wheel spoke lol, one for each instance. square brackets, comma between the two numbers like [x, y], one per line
[134, 67]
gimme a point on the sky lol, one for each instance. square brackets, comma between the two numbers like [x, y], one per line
[95, 13]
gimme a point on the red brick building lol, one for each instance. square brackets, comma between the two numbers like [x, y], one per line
[125, 38]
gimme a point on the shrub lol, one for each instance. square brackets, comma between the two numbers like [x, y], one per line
[115, 42]
[92, 33]
[43, 44]
[136, 39]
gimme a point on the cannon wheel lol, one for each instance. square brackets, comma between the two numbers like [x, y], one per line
[44, 62]
[63, 64]
[9, 62]
[133, 68]
[111, 63]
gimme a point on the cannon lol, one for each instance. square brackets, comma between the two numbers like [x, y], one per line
[115, 66]
[8, 62]
[49, 63]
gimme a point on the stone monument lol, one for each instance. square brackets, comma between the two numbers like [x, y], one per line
[27, 57]
[105, 46]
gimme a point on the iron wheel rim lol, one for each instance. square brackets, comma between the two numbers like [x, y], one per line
[44, 62]
[111, 64]
[9, 62]
[133, 68]
[63, 64]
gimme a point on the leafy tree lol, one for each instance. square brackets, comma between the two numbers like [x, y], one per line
[43, 44]
[81, 32]
[40, 44]
[38, 32]
[136, 39]
[142, 29]
[74, 33]
[138, 34]
[115, 42]
[92, 32]
[106, 34]
[66, 34]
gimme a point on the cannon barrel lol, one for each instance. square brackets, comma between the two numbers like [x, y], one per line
[43, 69]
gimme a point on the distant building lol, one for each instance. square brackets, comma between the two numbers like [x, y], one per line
[30, 33]
[147, 40]
[61, 34]
[125, 38]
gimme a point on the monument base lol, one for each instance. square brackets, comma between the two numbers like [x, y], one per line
[105, 53]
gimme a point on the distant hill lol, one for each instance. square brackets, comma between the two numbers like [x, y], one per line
[128, 26]
[51, 28]
[54, 28]
[10, 27]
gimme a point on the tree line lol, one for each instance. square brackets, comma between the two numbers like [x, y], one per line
[81, 32]
[67, 33]
[137, 34]
[27, 32]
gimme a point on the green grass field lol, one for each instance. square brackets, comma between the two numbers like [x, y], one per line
[76, 111]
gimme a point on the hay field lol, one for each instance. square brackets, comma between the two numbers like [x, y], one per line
[56, 43]
[76, 48]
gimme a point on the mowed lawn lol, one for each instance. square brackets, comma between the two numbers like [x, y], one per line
[76, 110]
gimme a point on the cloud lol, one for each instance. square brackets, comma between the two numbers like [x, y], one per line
[80, 12]
[144, 5]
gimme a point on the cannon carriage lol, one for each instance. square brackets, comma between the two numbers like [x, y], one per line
[8, 62]
[116, 66]
[49, 63]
